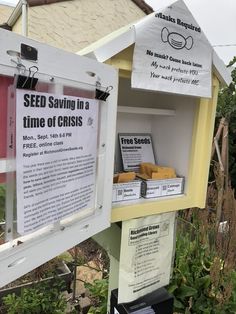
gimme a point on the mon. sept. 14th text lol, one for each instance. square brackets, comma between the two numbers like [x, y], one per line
[32, 141]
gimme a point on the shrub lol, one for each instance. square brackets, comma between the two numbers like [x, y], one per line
[41, 299]
[204, 279]
[99, 292]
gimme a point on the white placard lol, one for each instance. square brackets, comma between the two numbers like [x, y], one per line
[135, 149]
[126, 191]
[172, 54]
[146, 255]
[56, 150]
[160, 188]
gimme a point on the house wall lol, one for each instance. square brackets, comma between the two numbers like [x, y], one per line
[5, 12]
[73, 25]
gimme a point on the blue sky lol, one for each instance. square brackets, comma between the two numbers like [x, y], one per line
[216, 18]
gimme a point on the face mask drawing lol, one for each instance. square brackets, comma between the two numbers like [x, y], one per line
[176, 40]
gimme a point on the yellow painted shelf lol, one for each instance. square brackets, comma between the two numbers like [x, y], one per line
[145, 207]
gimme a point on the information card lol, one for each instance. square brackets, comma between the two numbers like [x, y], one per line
[135, 149]
[56, 150]
[146, 255]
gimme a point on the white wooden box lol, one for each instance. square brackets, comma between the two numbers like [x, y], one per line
[126, 191]
[159, 188]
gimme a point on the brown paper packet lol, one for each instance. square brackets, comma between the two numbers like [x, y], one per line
[124, 177]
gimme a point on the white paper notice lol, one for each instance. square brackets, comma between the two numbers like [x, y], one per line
[135, 149]
[56, 151]
[146, 255]
[172, 54]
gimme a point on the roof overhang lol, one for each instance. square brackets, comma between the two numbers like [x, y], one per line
[110, 45]
[143, 6]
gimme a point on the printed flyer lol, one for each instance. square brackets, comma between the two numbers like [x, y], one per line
[172, 54]
[56, 150]
[147, 246]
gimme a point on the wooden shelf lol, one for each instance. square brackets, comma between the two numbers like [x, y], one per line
[148, 111]
[144, 207]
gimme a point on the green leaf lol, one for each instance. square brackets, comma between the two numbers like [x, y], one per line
[186, 291]
[203, 282]
[178, 304]
[232, 307]
[172, 288]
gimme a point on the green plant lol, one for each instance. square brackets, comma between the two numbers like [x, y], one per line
[226, 108]
[204, 280]
[41, 299]
[99, 292]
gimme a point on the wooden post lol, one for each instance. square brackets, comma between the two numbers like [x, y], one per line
[220, 193]
[217, 136]
[221, 173]
[224, 151]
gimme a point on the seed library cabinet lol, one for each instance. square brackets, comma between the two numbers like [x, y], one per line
[169, 78]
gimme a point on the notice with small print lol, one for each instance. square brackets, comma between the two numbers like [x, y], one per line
[56, 150]
[172, 54]
[147, 246]
[135, 149]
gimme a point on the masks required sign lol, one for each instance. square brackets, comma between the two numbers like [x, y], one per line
[172, 54]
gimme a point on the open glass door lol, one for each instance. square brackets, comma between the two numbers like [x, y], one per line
[58, 113]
